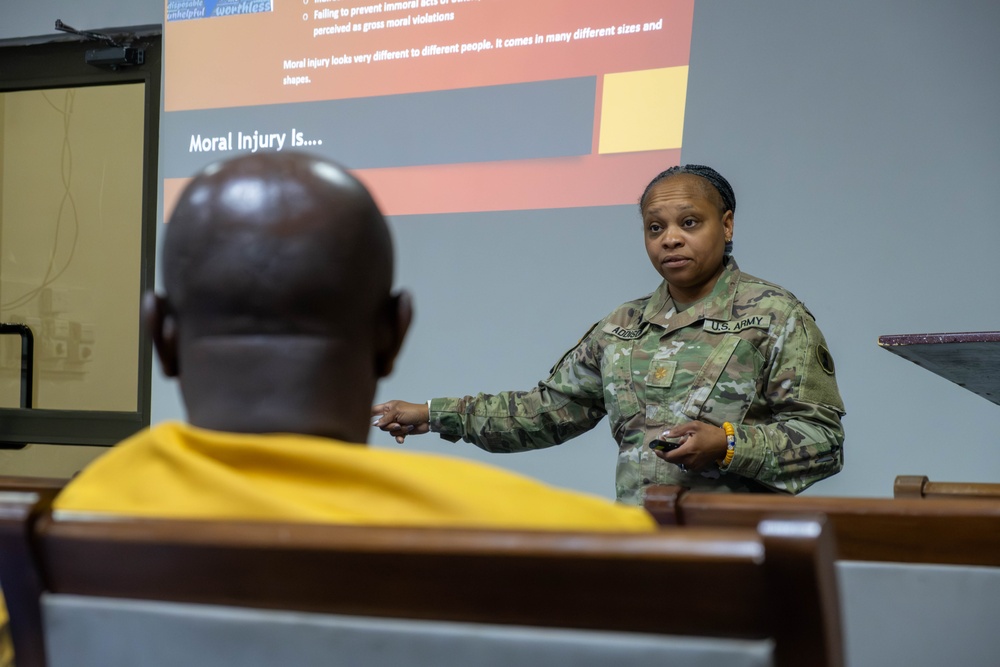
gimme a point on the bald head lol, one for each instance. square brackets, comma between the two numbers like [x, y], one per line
[276, 243]
[278, 314]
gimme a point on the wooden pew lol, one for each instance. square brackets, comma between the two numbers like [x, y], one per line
[918, 486]
[31, 484]
[904, 530]
[919, 578]
[772, 584]
[21, 500]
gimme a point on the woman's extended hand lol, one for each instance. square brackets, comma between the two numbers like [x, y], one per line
[701, 445]
[400, 419]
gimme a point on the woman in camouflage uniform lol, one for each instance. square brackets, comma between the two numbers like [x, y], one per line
[712, 347]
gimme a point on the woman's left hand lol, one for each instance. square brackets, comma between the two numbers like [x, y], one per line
[702, 445]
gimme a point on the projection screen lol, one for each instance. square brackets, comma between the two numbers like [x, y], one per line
[439, 106]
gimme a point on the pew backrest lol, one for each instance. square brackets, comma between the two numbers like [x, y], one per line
[771, 586]
[904, 530]
[919, 578]
[22, 499]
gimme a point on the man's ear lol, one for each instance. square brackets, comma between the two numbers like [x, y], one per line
[161, 323]
[400, 314]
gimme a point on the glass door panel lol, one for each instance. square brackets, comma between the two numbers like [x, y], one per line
[71, 211]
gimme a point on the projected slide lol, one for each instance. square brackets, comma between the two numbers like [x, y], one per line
[438, 105]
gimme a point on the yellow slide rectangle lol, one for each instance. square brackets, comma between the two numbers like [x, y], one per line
[643, 110]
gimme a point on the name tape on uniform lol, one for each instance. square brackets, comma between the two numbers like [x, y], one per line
[622, 332]
[755, 322]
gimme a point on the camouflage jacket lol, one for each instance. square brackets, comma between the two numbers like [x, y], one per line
[750, 353]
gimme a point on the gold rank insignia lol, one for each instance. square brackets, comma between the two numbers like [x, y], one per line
[661, 372]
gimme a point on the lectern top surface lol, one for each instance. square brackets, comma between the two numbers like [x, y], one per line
[970, 359]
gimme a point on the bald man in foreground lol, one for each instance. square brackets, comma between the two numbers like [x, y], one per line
[278, 320]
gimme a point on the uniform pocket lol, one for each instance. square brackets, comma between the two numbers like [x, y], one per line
[726, 386]
[619, 390]
[659, 390]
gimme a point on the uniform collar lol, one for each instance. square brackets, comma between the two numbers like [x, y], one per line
[716, 306]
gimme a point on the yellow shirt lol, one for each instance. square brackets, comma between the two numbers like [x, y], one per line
[179, 471]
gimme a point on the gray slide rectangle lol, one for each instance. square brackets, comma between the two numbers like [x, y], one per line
[511, 122]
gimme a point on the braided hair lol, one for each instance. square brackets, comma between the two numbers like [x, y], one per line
[725, 191]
